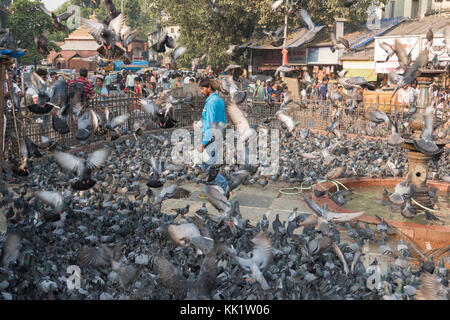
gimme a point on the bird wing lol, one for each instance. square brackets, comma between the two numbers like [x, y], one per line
[342, 217]
[117, 121]
[238, 118]
[95, 27]
[262, 252]
[428, 116]
[178, 52]
[277, 4]
[421, 60]
[333, 38]
[55, 199]
[394, 77]
[401, 53]
[306, 19]
[183, 231]
[170, 276]
[95, 257]
[429, 290]
[68, 161]
[207, 280]
[150, 107]
[97, 158]
[37, 82]
[11, 247]
[66, 15]
[306, 77]
[278, 31]
[23, 149]
[117, 23]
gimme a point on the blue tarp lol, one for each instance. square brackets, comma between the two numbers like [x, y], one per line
[134, 66]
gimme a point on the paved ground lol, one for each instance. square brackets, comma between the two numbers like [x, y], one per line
[254, 201]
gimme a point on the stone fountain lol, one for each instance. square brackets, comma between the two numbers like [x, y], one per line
[418, 161]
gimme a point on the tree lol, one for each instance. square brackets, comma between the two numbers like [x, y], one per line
[203, 31]
[24, 23]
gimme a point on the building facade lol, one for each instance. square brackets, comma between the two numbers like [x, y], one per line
[414, 8]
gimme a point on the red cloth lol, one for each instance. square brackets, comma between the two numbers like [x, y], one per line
[87, 86]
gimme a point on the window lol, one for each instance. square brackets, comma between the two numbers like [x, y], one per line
[415, 9]
[392, 9]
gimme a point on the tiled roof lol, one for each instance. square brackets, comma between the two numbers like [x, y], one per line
[420, 27]
[81, 33]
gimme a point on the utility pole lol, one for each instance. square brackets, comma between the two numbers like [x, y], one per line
[285, 51]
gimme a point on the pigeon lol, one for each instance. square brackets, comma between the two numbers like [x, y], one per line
[196, 62]
[37, 87]
[430, 36]
[402, 192]
[312, 29]
[426, 144]
[431, 288]
[276, 5]
[275, 35]
[402, 55]
[164, 41]
[107, 36]
[284, 69]
[340, 43]
[172, 192]
[240, 122]
[213, 6]
[259, 259]
[82, 168]
[286, 120]
[41, 42]
[11, 248]
[329, 216]
[176, 54]
[57, 19]
[112, 123]
[388, 49]
[173, 279]
[412, 72]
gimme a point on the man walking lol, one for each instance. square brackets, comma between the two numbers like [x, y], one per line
[213, 114]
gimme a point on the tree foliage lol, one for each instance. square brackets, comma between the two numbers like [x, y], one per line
[24, 23]
[204, 31]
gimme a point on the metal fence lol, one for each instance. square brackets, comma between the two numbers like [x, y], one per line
[315, 114]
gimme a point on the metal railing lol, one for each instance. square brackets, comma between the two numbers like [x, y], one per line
[312, 114]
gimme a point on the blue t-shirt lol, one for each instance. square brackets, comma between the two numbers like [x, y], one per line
[214, 111]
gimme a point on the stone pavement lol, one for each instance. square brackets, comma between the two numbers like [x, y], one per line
[254, 201]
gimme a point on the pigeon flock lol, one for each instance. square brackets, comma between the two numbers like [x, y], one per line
[102, 210]
[129, 248]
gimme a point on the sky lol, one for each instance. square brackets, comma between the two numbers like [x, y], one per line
[53, 4]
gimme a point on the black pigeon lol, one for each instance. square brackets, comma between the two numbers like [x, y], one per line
[82, 168]
[276, 224]
[37, 87]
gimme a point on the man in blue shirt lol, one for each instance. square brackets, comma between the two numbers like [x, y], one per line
[213, 114]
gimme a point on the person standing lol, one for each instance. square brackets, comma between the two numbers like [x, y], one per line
[213, 114]
[100, 89]
[129, 82]
[323, 89]
[83, 80]
[108, 81]
[260, 90]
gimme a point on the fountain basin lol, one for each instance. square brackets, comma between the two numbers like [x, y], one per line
[426, 237]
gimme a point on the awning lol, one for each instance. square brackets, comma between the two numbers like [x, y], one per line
[368, 74]
[135, 65]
